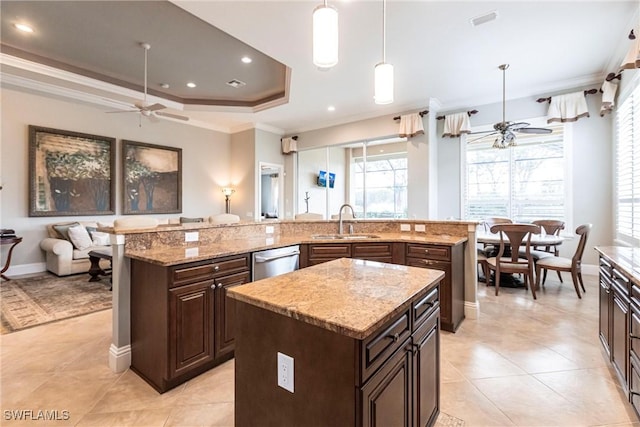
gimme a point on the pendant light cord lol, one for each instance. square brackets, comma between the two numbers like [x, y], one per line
[504, 88]
[384, 31]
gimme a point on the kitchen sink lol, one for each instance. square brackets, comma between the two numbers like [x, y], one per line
[344, 236]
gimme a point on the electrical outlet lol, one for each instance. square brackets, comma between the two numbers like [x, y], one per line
[191, 252]
[191, 236]
[405, 227]
[285, 372]
[269, 229]
[420, 228]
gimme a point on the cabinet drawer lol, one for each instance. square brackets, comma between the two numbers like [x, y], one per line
[375, 250]
[225, 266]
[442, 253]
[208, 270]
[378, 348]
[620, 279]
[424, 307]
[634, 386]
[330, 251]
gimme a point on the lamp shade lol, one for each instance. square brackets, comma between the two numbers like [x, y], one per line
[383, 83]
[325, 36]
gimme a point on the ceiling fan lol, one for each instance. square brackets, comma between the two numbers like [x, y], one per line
[506, 130]
[142, 107]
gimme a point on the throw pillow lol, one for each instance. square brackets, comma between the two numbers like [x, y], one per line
[184, 220]
[62, 229]
[100, 239]
[79, 236]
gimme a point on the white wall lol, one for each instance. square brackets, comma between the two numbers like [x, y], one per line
[243, 174]
[205, 161]
[591, 167]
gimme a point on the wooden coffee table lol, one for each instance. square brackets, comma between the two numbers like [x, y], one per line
[95, 270]
[13, 241]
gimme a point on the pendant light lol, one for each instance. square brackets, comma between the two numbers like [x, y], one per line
[383, 73]
[325, 36]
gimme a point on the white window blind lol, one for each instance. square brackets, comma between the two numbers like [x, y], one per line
[627, 173]
[524, 183]
[386, 186]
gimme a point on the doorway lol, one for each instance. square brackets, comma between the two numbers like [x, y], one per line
[270, 191]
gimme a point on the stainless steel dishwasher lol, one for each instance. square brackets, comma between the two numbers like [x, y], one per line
[274, 262]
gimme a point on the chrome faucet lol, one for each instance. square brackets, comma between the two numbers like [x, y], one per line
[353, 214]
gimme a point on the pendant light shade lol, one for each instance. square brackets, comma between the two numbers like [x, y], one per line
[325, 36]
[383, 73]
[383, 83]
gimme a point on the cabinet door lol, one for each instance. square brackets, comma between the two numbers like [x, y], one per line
[605, 311]
[386, 397]
[190, 326]
[225, 312]
[426, 373]
[445, 289]
[620, 335]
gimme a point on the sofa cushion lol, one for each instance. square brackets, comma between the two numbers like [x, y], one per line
[62, 230]
[79, 236]
[100, 239]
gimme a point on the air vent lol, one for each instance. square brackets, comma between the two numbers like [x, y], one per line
[483, 19]
[236, 83]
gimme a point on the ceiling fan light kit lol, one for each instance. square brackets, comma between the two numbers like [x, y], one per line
[325, 36]
[383, 72]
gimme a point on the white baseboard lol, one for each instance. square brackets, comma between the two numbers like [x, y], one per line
[471, 310]
[119, 358]
[19, 270]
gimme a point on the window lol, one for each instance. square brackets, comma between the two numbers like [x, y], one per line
[385, 193]
[627, 170]
[524, 183]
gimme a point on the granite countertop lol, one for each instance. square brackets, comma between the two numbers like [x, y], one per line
[349, 296]
[179, 255]
[626, 258]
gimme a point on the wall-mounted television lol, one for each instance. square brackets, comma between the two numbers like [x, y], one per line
[322, 179]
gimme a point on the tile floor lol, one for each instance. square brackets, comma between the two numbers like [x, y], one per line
[523, 362]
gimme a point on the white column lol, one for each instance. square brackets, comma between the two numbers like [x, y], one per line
[120, 350]
[471, 306]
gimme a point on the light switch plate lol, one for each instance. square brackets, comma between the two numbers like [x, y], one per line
[285, 372]
[269, 229]
[420, 228]
[405, 227]
[191, 236]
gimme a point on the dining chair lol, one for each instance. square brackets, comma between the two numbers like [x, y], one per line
[572, 265]
[511, 261]
[551, 227]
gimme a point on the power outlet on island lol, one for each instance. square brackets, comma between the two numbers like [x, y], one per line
[191, 236]
[420, 228]
[269, 229]
[405, 227]
[285, 372]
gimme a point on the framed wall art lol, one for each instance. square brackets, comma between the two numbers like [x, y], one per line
[70, 173]
[152, 178]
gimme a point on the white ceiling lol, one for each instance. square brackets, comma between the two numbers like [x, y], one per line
[437, 54]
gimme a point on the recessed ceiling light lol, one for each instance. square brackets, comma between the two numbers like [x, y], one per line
[191, 84]
[164, 85]
[246, 60]
[24, 28]
[331, 108]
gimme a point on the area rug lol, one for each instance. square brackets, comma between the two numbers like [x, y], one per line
[32, 301]
[446, 420]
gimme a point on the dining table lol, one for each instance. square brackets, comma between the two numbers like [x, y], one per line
[537, 240]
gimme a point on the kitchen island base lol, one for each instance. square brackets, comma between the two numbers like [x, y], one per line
[390, 377]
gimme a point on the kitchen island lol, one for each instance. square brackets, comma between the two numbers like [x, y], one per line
[351, 343]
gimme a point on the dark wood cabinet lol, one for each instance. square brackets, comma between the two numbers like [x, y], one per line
[395, 370]
[323, 252]
[449, 259]
[620, 325]
[182, 322]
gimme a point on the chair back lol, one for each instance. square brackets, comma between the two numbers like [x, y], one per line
[550, 226]
[491, 221]
[583, 232]
[517, 235]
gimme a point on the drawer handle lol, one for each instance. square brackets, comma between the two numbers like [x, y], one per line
[216, 267]
[426, 251]
[395, 337]
[219, 285]
[213, 286]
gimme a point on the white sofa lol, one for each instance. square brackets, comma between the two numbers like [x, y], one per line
[61, 256]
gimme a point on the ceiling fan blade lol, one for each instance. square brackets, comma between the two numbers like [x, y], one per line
[533, 130]
[171, 116]
[518, 125]
[123, 111]
[481, 132]
[155, 107]
[482, 137]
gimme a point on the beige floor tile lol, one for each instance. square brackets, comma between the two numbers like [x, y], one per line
[212, 414]
[448, 373]
[143, 418]
[480, 361]
[463, 400]
[215, 386]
